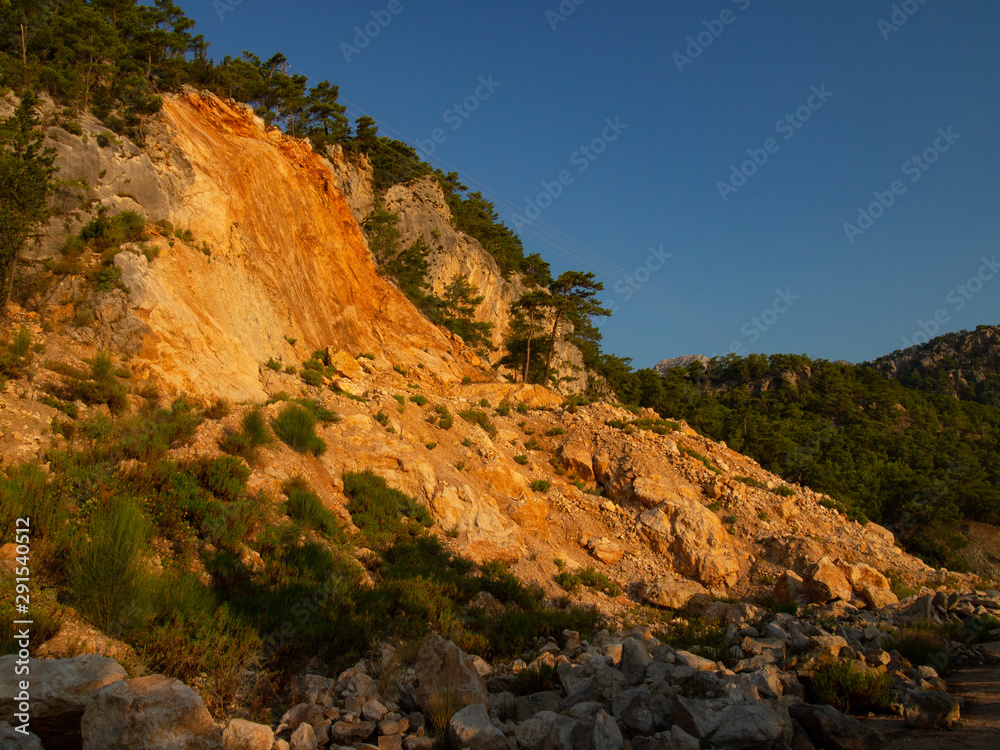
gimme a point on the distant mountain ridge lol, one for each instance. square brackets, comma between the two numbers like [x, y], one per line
[668, 364]
[965, 365]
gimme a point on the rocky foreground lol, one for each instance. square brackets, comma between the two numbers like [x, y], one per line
[627, 690]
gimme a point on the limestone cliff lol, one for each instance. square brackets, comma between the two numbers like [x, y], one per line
[277, 255]
[424, 214]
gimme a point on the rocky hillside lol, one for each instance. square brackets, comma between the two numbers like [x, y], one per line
[312, 472]
[965, 365]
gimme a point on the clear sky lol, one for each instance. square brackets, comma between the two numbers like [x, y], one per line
[708, 160]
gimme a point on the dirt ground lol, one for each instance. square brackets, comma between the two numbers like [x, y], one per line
[980, 725]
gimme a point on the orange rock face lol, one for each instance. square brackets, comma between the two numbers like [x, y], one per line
[287, 260]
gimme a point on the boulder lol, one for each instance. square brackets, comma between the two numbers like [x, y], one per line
[749, 725]
[828, 728]
[862, 576]
[826, 582]
[930, 708]
[471, 728]
[245, 735]
[877, 597]
[148, 713]
[13, 739]
[790, 587]
[578, 460]
[672, 593]
[635, 659]
[344, 364]
[532, 733]
[303, 738]
[59, 692]
[444, 674]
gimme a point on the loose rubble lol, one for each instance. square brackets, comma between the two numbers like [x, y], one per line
[628, 687]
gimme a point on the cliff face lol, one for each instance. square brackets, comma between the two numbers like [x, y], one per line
[277, 255]
[424, 214]
[965, 365]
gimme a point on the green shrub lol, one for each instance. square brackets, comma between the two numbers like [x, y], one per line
[698, 457]
[312, 377]
[443, 417]
[922, 646]
[784, 491]
[324, 415]
[751, 482]
[481, 418]
[419, 400]
[503, 409]
[107, 575]
[521, 459]
[532, 445]
[523, 408]
[217, 409]
[224, 476]
[296, 427]
[101, 387]
[786, 606]
[850, 689]
[485, 403]
[254, 434]
[541, 485]
[589, 577]
[381, 512]
[305, 507]
[555, 431]
[273, 364]
[382, 418]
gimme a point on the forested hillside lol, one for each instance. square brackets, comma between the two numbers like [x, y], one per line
[965, 364]
[897, 454]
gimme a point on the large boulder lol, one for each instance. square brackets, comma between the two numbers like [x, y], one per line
[692, 535]
[241, 734]
[59, 692]
[148, 713]
[790, 587]
[862, 576]
[930, 708]
[828, 728]
[578, 459]
[877, 598]
[635, 659]
[471, 728]
[672, 593]
[446, 676]
[827, 583]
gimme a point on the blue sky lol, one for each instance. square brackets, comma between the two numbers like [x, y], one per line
[822, 109]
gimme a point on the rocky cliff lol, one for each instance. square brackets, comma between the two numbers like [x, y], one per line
[965, 365]
[277, 255]
[424, 215]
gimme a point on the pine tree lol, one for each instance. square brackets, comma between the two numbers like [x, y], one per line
[572, 301]
[26, 171]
